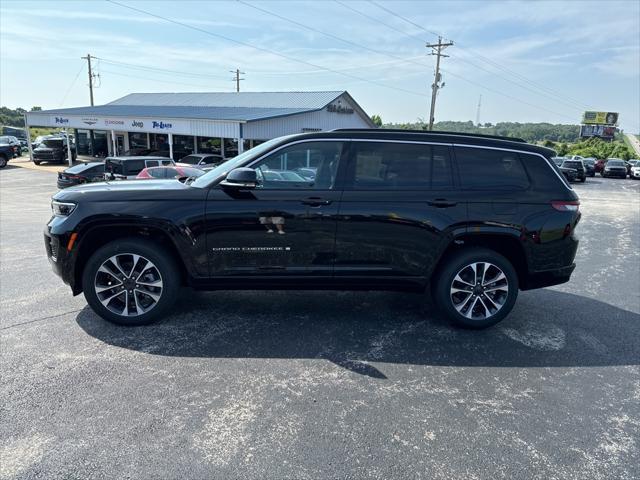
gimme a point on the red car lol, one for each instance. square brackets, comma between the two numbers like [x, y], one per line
[164, 173]
[600, 165]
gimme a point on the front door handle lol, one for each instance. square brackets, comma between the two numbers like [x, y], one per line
[315, 201]
[441, 203]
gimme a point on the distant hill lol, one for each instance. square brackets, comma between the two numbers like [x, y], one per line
[531, 132]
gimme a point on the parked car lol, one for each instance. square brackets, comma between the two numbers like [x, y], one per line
[201, 160]
[307, 172]
[127, 168]
[571, 174]
[600, 165]
[81, 173]
[53, 149]
[574, 157]
[382, 213]
[558, 160]
[7, 152]
[590, 166]
[630, 164]
[164, 173]
[578, 166]
[635, 172]
[615, 167]
[14, 142]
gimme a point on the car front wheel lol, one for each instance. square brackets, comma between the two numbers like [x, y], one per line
[476, 288]
[130, 282]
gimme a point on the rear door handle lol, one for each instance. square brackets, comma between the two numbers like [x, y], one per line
[441, 203]
[315, 201]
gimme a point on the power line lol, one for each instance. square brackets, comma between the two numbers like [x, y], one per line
[161, 70]
[488, 60]
[263, 49]
[159, 80]
[75, 79]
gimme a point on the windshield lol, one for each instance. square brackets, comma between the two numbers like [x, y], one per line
[5, 140]
[222, 169]
[615, 163]
[52, 143]
[190, 159]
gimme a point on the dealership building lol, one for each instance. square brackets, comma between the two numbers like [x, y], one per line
[183, 123]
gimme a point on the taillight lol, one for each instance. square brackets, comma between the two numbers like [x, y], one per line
[563, 206]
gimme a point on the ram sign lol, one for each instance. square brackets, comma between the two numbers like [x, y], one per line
[600, 118]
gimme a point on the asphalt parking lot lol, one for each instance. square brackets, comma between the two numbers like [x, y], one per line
[323, 384]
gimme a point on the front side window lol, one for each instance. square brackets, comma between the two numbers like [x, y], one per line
[399, 166]
[277, 171]
[484, 169]
[157, 172]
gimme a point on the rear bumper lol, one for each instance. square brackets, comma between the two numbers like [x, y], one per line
[548, 278]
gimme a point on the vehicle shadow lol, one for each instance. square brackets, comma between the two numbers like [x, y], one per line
[355, 329]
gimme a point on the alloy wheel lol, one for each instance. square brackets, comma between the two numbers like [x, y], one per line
[479, 290]
[128, 284]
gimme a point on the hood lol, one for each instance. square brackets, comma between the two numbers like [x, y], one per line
[124, 190]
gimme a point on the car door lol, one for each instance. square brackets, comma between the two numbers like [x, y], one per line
[399, 209]
[281, 228]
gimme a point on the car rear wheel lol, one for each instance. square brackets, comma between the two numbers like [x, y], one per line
[3, 161]
[130, 282]
[476, 288]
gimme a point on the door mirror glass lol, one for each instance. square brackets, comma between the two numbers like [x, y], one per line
[241, 178]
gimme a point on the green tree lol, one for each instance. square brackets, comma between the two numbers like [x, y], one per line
[377, 120]
[36, 109]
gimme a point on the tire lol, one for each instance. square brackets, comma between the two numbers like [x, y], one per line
[162, 280]
[583, 179]
[36, 162]
[3, 161]
[472, 312]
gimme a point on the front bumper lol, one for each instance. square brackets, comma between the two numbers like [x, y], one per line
[62, 261]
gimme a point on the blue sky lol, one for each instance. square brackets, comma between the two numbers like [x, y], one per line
[530, 61]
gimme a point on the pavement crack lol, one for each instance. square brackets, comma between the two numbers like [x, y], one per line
[40, 319]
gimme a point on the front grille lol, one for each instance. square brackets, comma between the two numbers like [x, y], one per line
[51, 245]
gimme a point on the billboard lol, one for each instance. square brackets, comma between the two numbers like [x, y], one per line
[601, 131]
[600, 118]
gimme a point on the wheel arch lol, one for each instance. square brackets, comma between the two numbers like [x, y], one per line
[506, 243]
[95, 236]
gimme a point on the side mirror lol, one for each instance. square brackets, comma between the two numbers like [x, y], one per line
[241, 178]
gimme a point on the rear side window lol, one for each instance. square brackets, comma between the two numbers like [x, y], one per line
[400, 166]
[134, 167]
[484, 169]
[157, 172]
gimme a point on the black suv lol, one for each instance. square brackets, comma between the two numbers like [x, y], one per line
[53, 149]
[578, 166]
[468, 219]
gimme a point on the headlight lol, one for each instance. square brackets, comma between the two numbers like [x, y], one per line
[62, 209]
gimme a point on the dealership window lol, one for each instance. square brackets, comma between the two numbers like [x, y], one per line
[83, 146]
[209, 144]
[138, 141]
[100, 143]
[182, 146]
[230, 147]
[159, 141]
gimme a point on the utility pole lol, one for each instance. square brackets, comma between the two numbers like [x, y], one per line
[91, 77]
[437, 49]
[237, 78]
[478, 111]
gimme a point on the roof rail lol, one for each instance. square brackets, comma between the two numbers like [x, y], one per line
[430, 132]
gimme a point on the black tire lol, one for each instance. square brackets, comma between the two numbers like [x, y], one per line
[443, 282]
[162, 260]
[36, 162]
[583, 179]
[3, 161]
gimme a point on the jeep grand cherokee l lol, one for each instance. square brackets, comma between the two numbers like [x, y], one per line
[469, 219]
